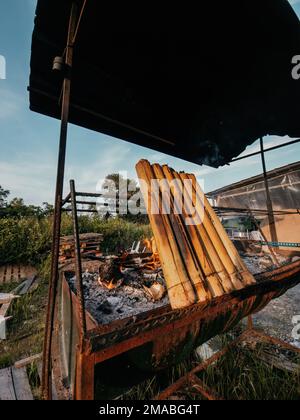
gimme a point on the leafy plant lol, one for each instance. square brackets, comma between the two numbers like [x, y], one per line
[28, 239]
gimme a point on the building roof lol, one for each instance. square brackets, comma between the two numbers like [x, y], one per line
[200, 82]
[283, 170]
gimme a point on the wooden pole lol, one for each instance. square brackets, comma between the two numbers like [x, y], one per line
[217, 246]
[272, 253]
[272, 224]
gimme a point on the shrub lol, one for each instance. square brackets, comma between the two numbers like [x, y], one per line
[28, 239]
[24, 240]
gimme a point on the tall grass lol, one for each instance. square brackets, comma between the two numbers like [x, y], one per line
[239, 375]
[242, 375]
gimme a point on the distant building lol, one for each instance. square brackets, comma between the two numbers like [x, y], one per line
[284, 184]
[250, 193]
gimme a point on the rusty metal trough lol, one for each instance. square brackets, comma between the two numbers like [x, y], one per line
[141, 106]
[152, 340]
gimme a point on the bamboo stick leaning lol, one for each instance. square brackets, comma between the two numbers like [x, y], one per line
[198, 259]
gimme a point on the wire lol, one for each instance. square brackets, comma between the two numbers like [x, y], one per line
[79, 21]
[77, 28]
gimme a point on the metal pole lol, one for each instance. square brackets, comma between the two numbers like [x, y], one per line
[272, 253]
[271, 217]
[78, 266]
[46, 374]
[250, 324]
[269, 149]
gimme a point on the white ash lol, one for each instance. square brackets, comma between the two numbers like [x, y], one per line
[130, 298]
[258, 264]
[254, 264]
[127, 300]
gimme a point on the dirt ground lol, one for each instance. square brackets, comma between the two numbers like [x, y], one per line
[277, 318]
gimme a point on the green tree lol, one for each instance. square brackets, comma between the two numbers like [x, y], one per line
[114, 188]
[3, 197]
[17, 208]
[47, 209]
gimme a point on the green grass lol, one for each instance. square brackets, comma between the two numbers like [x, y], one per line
[34, 380]
[8, 287]
[242, 375]
[26, 329]
[239, 375]
[28, 239]
[157, 383]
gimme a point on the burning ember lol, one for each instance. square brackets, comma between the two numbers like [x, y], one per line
[146, 265]
[125, 285]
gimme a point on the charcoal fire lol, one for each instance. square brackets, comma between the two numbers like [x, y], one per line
[125, 285]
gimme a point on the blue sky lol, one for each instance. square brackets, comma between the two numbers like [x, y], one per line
[29, 142]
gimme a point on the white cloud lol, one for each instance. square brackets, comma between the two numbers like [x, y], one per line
[156, 157]
[269, 141]
[114, 157]
[32, 176]
[31, 179]
[204, 170]
[32, 4]
[11, 104]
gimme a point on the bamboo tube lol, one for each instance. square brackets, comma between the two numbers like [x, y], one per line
[211, 278]
[247, 277]
[217, 248]
[215, 271]
[184, 244]
[180, 290]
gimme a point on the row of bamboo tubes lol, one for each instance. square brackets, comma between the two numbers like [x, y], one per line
[199, 260]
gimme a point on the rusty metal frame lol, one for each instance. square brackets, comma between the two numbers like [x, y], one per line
[190, 380]
[272, 224]
[190, 377]
[269, 149]
[123, 336]
[102, 343]
[78, 265]
[86, 357]
[74, 23]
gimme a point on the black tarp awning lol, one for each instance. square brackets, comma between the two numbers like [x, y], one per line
[205, 79]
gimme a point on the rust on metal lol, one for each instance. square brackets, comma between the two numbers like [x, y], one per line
[164, 331]
[165, 328]
[79, 286]
[272, 223]
[66, 92]
[202, 389]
